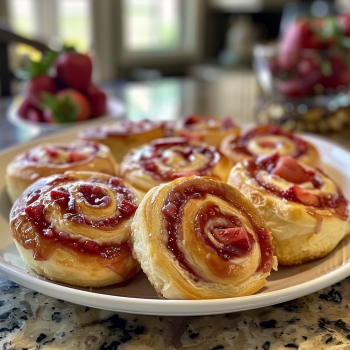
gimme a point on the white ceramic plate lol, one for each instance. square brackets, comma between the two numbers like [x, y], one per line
[139, 296]
[115, 109]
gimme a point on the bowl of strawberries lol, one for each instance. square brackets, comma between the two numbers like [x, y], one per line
[311, 59]
[59, 92]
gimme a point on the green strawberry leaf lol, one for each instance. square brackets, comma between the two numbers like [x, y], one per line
[35, 68]
[63, 109]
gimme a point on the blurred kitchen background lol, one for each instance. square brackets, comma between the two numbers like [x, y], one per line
[163, 58]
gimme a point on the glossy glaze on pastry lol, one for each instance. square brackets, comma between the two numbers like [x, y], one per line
[264, 140]
[199, 238]
[203, 128]
[75, 228]
[122, 135]
[163, 160]
[304, 208]
[49, 159]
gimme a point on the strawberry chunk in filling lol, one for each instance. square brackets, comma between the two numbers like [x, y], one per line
[289, 169]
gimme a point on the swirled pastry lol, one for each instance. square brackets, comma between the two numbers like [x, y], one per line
[123, 135]
[74, 228]
[207, 129]
[304, 209]
[166, 159]
[49, 159]
[268, 139]
[199, 238]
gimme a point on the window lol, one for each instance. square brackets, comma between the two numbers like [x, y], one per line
[55, 22]
[151, 25]
[147, 34]
[74, 23]
[22, 17]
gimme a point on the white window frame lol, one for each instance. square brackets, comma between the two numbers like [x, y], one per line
[112, 55]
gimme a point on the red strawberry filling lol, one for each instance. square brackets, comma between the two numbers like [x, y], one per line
[77, 156]
[94, 195]
[115, 181]
[267, 162]
[126, 208]
[150, 166]
[170, 210]
[297, 194]
[227, 123]
[168, 142]
[192, 119]
[91, 247]
[35, 212]
[51, 152]
[192, 136]
[234, 236]
[60, 196]
[267, 144]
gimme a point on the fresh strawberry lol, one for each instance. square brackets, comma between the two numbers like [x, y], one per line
[235, 236]
[338, 75]
[289, 169]
[126, 208]
[297, 194]
[299, 35]
[288, 61]
[66, 106]
[299, 87]
[98, 101]
[37, 86]
[24, 107]
[35, 115]
[74, 70]
[344, 20]
[306, 66]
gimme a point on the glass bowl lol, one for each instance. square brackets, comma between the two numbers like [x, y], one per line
[303, 74]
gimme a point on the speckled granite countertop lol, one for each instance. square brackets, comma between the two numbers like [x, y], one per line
[30, 320]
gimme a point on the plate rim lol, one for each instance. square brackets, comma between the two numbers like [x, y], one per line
[164, 307]
[171, 307]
